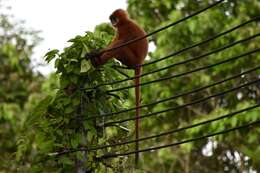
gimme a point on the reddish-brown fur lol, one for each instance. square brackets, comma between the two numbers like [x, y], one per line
[126, 30]
[131, 55]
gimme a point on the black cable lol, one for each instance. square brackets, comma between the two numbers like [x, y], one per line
[200, 43]
[184, 61]
[188, 72]
[175, 96]
[161, 134]
[184, 105]
[165, 27]
[179, 52]
[182, 142]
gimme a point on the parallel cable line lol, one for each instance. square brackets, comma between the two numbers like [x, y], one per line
[175, 96]
[230, 115]
[187, 104]
[188, 60]
[182, 142]
[204, 41]
[180, 51]
[188, 72]
[199, 43]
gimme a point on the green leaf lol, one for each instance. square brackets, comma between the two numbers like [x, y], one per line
[45, 145]
[41, 108]
[76, 39]
[73, 60]
[85, 66]
[66, 101]
[74, 142]
[69, 110]
[51, 55]
[75, 101]
[64, 81]
[66, 161]
[74, 79]
[80, 155]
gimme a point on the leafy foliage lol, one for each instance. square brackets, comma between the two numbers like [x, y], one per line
[59, 120]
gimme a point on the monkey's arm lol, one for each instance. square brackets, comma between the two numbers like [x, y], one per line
[107, 55]
[100, 57]
[124, 54]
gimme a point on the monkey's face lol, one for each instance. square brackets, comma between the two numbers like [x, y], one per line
[118, 17]
[114, 20]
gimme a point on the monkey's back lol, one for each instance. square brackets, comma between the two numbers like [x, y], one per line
[130, 32]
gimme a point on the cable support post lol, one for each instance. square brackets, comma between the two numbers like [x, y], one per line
[180, 51]
[254, 123]
[188, 72]
[175, 96]
[185, 105]
[171, 132]
[164, 28]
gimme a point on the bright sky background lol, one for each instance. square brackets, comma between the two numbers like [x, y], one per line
[60, 20]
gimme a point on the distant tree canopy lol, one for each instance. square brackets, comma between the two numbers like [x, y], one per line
[18, 84]
[234, 152]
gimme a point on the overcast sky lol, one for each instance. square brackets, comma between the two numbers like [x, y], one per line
[60, 20]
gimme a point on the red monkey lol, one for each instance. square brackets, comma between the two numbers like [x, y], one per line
[131, 55]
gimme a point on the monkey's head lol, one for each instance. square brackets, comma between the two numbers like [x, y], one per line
[118, 17]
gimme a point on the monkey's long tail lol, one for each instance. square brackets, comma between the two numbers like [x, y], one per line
[138, 71]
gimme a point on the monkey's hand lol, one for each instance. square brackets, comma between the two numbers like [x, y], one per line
[94, 57]
[93, 54]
